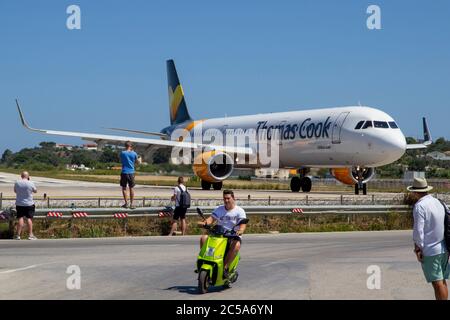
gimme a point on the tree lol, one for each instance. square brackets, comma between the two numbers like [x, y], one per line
[7, 155]
[79, 157]
[47, 145]
[109, 155]
[418, 164]
[161, 155]
[410, 140]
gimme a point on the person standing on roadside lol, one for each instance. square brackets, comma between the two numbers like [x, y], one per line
[180, 195]
[24, 189]
[429, 244]
[128, 158]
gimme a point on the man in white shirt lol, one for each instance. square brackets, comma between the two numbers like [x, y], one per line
[228, 216]
[428, 235]
[24, 190]
[180, 211]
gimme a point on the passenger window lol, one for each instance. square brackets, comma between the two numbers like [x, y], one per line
[368, 124]
[381, 124]
[359, 125]
[393, 125]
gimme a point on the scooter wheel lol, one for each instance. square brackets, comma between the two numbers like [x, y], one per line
[203, 281]
[234, 277]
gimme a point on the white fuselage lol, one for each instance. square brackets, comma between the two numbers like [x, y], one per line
[320, 137]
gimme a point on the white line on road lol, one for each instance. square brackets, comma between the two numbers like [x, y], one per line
[270, 264]
[25, 268]
[20, 269]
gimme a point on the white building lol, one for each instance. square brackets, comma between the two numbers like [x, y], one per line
[272, 173]
[89, 147]
[410, 175]
[436, 155]
[62, 146]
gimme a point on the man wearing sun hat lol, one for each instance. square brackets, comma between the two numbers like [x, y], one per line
[428, 236]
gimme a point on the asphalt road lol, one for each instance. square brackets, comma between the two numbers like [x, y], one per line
[279, 266]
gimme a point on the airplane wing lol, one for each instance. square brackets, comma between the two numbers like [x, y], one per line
[115, 140]
[426, 137]
[158, 134]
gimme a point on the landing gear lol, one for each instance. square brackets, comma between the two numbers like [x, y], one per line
[360, 172]
[359, 187]
[303, 183]
[217, 185]
[306, 184]
[295, 184]
[206, 185]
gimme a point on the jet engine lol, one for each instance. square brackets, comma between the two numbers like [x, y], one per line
[213, 166]
[353, 175]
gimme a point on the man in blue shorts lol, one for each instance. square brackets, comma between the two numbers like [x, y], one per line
[128, 158]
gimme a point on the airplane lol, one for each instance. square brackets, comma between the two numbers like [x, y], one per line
[351, 141]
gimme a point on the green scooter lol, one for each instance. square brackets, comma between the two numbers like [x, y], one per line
[210, 260]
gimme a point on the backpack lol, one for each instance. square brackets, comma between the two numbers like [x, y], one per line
[185, 198]
[446, 226]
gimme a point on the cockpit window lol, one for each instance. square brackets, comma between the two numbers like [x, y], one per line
[359, 125]
[381, 124]
[368, 124]
[393, 125]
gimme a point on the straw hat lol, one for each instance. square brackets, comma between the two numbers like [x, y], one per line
[419, 185]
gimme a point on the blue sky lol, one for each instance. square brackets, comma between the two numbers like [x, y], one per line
[233, 57]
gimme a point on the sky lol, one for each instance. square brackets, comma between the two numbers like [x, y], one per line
[233, 58]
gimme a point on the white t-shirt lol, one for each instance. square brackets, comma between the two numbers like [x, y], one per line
[24, 193]
[228, 219]
[177, 193]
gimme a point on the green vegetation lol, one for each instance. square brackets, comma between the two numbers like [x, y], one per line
[47, 157]
[154, 226]
[416, 160]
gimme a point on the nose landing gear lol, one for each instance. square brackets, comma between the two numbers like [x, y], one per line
[360, 186]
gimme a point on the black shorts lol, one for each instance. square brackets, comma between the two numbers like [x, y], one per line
[27, 212]
[127, 179]
[179, 213]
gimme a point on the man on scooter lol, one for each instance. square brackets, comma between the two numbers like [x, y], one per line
[227, 216]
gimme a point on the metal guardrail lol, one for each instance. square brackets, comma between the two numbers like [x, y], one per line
[332, 199]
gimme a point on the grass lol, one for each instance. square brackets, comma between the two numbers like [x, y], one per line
[154, 226]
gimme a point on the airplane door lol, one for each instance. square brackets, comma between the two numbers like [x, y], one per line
[337, 127]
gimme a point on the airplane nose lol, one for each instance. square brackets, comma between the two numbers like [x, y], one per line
[394, 146]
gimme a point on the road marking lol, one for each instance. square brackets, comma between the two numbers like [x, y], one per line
[270, 264]
[20, 269]
[25, 268]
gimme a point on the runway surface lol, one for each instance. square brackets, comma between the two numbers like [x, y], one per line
[69, 188]
[280, 266]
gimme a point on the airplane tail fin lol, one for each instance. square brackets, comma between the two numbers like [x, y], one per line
[178, 109]
[426, 133]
